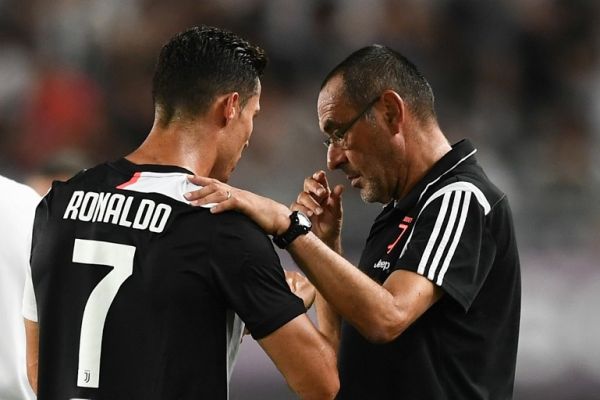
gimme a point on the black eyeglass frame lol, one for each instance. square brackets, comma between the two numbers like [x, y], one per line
[339, 134]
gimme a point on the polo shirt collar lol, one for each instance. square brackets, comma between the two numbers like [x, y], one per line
[461, 152]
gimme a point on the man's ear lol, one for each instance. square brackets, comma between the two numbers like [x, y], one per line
[231, 106]
[395, 110]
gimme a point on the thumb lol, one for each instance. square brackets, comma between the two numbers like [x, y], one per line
[337, 192]
[336, 196]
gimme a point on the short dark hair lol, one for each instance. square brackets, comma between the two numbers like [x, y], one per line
[201, 63]
[369, 71]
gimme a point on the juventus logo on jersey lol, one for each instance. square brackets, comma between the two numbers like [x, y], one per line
[403, 227]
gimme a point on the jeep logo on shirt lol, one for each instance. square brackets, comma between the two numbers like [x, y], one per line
[383, 265]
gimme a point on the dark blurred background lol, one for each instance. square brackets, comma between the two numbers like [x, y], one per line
[520, 78]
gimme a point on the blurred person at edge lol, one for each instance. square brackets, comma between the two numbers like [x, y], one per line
[17, 208]
[433, 309]
[135, 294]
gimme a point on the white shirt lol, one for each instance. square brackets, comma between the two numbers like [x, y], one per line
[17, 210]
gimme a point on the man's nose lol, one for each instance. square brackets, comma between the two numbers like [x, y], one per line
[335, 157]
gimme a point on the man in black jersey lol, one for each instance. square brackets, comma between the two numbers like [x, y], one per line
[432, 311]
[134, 293]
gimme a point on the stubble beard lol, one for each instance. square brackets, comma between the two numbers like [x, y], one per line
[372, 192]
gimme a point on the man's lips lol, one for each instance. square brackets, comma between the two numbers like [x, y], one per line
[353, 179]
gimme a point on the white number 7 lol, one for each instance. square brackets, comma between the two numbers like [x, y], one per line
[120, 257]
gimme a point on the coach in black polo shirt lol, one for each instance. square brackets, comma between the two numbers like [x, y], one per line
[432, 311]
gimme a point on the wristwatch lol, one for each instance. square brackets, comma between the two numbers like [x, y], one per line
[300, 225]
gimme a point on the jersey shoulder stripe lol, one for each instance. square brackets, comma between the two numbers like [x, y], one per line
[448, 227]
[170, 184]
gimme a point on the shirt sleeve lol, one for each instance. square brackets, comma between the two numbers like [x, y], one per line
[448, 244]
[251, 278]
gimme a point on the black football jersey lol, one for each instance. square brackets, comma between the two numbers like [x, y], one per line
[140, 295]
[454, 228]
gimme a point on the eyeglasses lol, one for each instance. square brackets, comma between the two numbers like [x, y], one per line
[338, 136]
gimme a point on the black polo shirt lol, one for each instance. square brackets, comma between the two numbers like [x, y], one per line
[454, 228]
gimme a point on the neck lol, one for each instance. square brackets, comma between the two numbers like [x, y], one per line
[184, 144]
[426, 148]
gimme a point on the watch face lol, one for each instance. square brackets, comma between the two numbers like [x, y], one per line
[303, 220]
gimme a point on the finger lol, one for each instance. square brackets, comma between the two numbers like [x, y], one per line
[218, 201]
[211, 195]
[321, 177]
[309, 202]
[208, 194]
[201, 180]
[337, 192]
[207, 187]
[335, 200]
[299, 207]
[202, 193]
[217, 208]
[316, 189]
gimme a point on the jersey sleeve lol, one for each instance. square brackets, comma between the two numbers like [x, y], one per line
[448, 244]
[251, 278]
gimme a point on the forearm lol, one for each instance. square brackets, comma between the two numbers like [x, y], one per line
[32, 353]
[272, 216]
[304, 358]
[329, 321]
[357, 298]
[335, 244]
[380, 313]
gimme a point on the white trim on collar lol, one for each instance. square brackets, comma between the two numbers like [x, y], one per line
[450, 169]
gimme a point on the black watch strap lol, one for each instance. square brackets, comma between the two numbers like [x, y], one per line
[299, 225]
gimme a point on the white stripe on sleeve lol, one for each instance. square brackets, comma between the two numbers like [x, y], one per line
[444, 242]
[463, 192]
[434, 234]
[457, 235]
